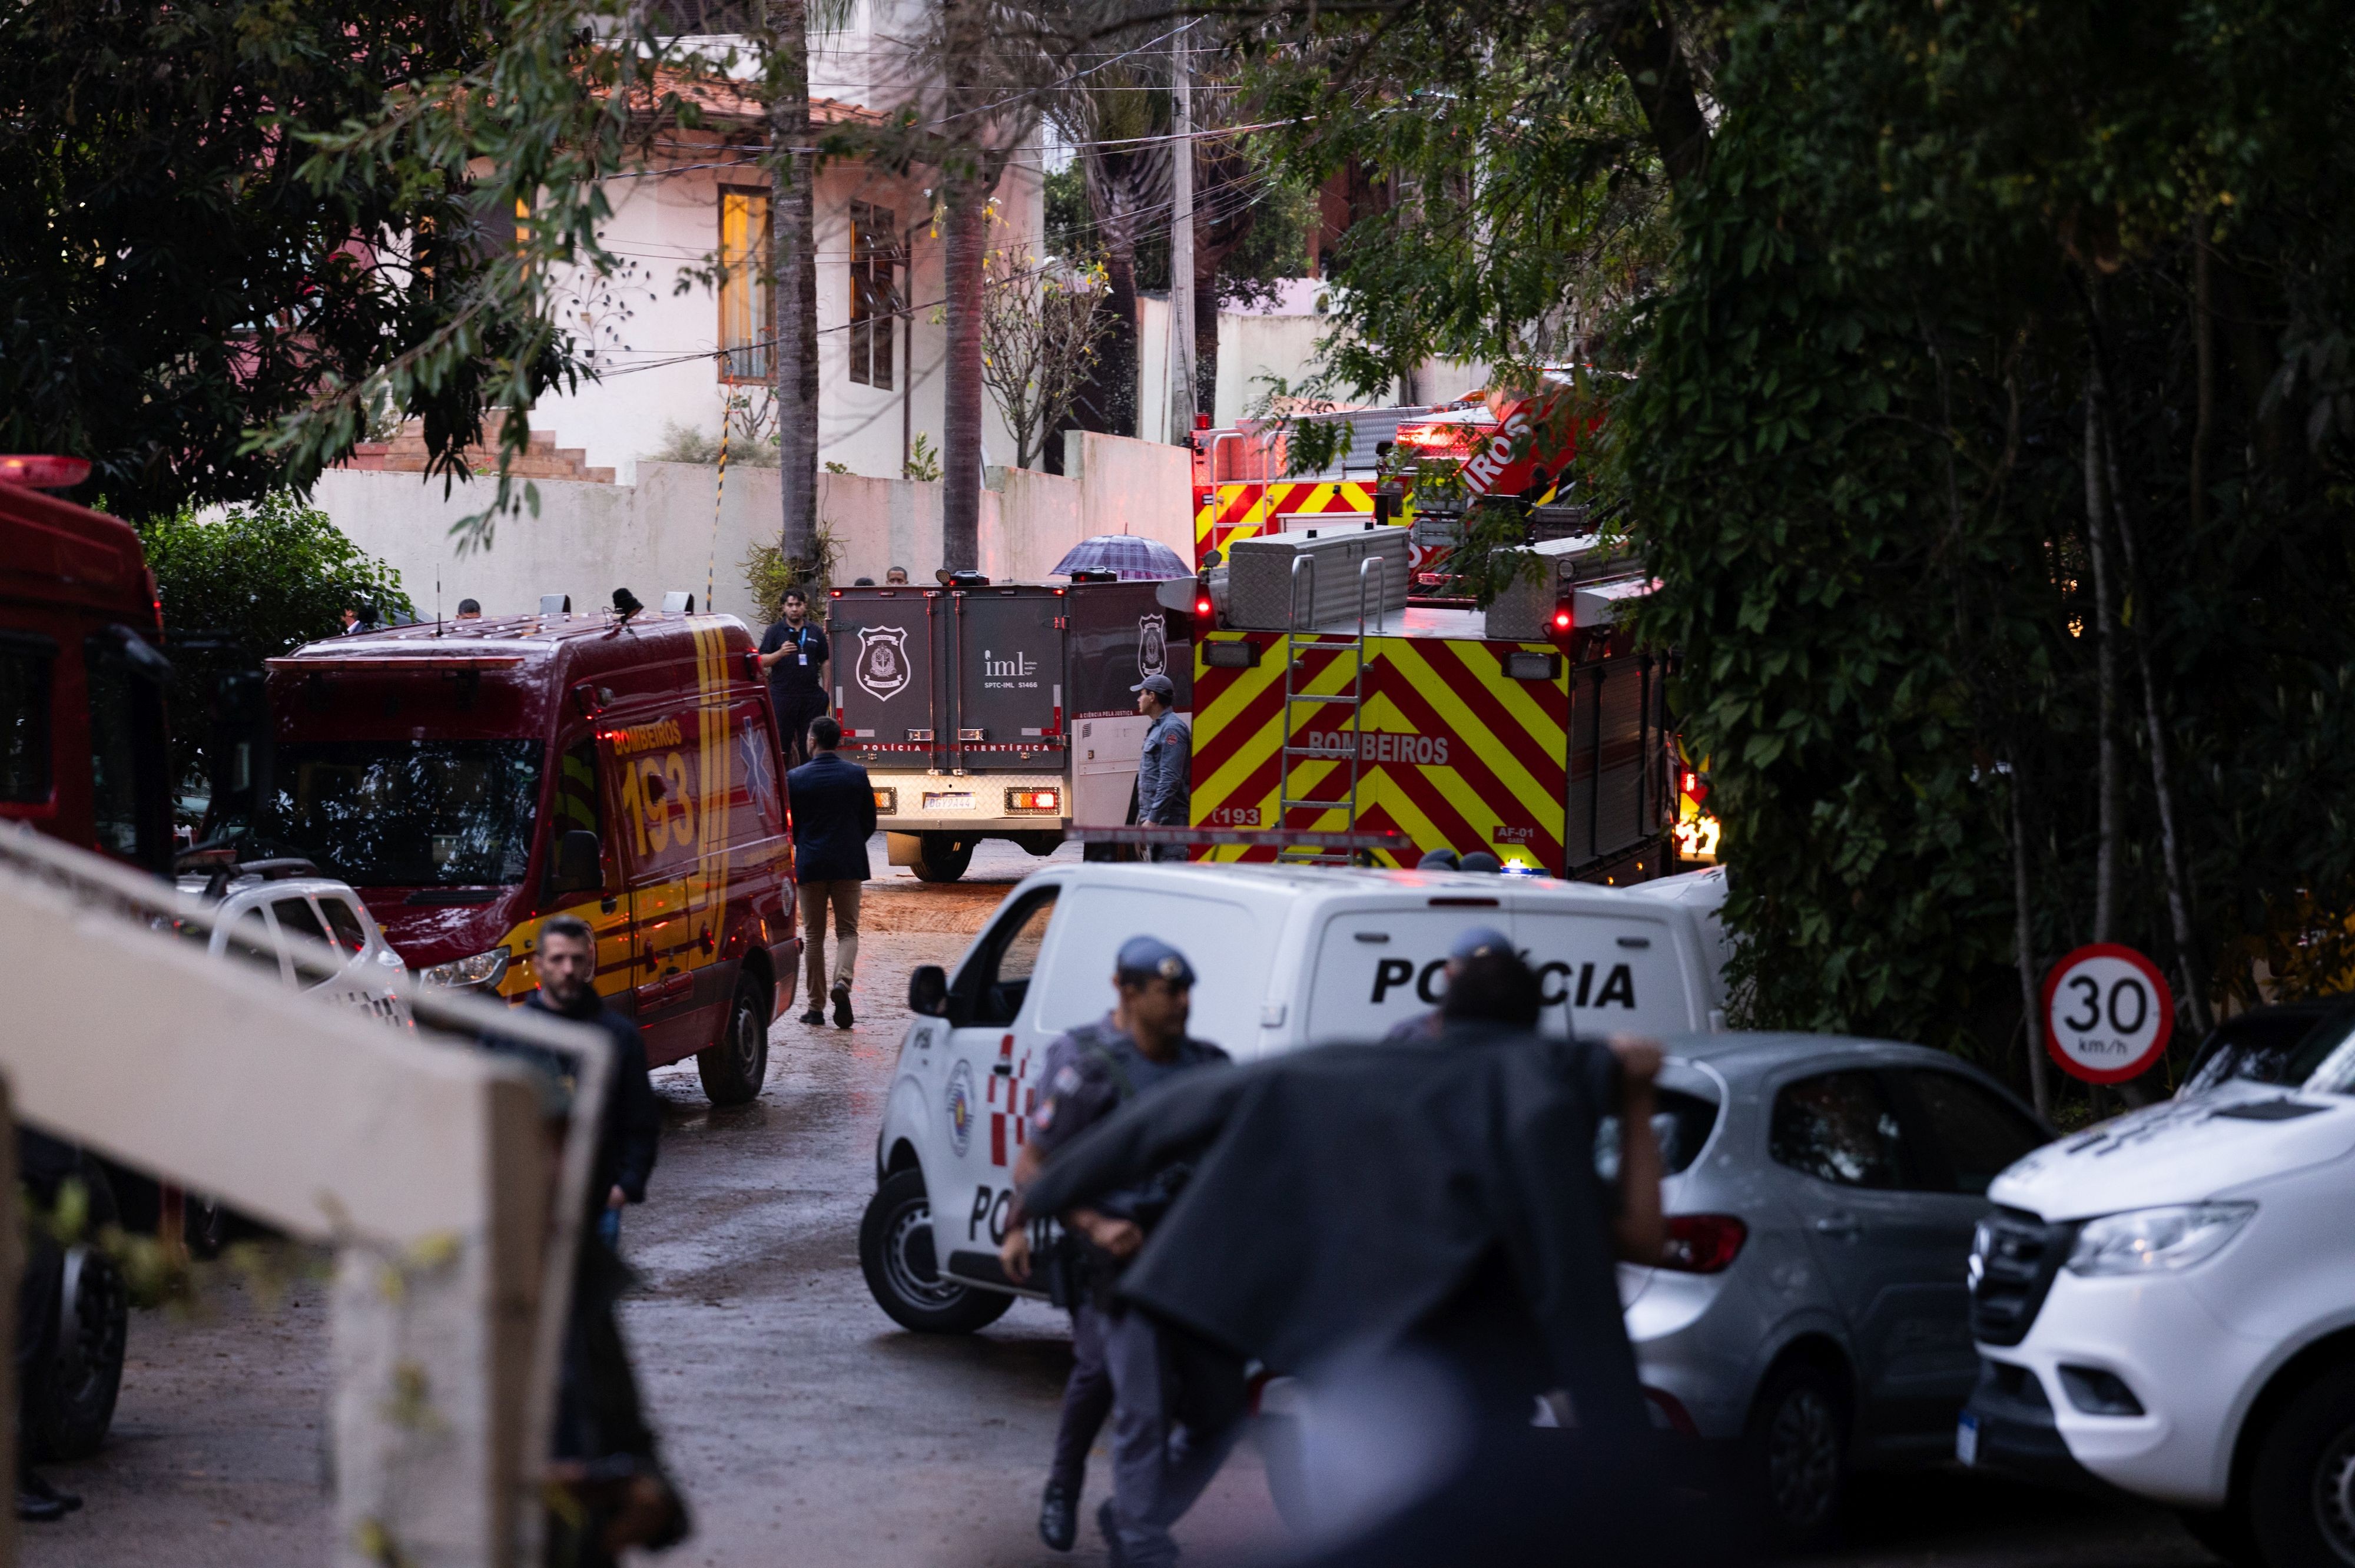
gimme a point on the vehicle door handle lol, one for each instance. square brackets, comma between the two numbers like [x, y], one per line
[1003, 1070]
[1838, 1227]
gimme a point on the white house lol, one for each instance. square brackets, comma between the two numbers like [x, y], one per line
[669, 354]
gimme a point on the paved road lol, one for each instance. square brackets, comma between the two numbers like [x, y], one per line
[806, 1425]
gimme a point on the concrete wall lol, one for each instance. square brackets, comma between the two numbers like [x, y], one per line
[663, 533]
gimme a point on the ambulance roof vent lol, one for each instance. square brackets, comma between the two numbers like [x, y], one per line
[556, 603]
[677, 603]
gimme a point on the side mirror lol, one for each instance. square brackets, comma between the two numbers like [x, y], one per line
[580, 862]
[928, 991]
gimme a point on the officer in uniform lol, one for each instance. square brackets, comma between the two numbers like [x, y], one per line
[1166, 766]
[795, 653]
[1425, 1027]
[1159, 1465]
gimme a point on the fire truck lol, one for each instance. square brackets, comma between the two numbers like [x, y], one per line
[1326, 700]
[1515, 445]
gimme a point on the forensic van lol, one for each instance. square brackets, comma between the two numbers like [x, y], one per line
[1287, 957]
[473, 778]
[999, 709]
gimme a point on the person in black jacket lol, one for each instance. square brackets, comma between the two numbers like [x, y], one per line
[604, 1455]
[834, 816]
[566, 967]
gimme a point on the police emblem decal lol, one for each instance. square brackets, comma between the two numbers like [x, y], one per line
[1152, 646]
[960, 1104]
[882, 667]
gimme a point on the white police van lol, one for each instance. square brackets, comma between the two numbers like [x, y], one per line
[1286, 956]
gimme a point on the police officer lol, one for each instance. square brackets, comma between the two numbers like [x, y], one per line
[1426, 1027]
[1159, 1467]
[1165, 768]
[795, 653]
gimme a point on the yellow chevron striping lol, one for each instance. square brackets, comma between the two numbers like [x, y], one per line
[1409, 663]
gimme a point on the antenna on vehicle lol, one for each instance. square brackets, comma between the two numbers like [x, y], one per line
[437, 603]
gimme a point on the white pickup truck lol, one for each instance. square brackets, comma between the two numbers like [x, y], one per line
[1286, 957]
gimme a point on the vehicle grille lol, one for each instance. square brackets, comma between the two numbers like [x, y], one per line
[2013, 1263]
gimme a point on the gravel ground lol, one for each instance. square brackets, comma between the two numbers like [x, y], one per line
[805, 1426]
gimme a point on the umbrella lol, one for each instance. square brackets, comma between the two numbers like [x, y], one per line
[1137, 560]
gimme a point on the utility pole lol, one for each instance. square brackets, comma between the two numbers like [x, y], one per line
[1182, 242]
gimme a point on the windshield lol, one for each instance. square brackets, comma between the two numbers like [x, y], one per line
[407, 814]
[2266, 1048]
[2324, 1062]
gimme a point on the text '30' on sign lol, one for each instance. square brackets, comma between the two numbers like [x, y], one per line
[2107, 1013]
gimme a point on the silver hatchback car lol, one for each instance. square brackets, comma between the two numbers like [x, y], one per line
[1811, 1314]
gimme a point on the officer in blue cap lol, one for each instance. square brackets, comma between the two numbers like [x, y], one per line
[1425, 1027]
[1159, 1467]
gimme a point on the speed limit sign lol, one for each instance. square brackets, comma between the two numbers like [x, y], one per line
[2107, 1013]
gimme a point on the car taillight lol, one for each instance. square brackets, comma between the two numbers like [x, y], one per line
[1563, 620]
[1702, 1244]
[1034, 800]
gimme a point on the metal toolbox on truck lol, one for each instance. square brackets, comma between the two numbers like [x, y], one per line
[1261, 576]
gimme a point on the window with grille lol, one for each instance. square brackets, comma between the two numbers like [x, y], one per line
[874, 292]
[747, 308]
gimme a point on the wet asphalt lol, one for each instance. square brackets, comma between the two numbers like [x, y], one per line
[806, 1427]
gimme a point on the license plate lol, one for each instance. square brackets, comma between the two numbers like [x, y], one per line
[1966, 1439]
[935, 801]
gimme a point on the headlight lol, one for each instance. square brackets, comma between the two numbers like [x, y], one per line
[482, 970]
[2144, 1239]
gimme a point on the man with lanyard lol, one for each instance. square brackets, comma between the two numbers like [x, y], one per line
[795, 653]
[1164, 768]
[1159, 1465]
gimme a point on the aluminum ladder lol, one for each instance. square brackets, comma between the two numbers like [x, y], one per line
[1295, 699]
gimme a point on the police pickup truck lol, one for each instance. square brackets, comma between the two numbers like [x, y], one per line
[1288, 955]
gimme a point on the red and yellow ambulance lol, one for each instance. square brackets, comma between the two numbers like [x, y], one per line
[474, 778]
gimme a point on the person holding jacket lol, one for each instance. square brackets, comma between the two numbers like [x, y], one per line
[834, 816]
[1422, 1232]
[1165, 767]
[1161, 1459]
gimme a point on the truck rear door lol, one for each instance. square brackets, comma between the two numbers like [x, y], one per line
[1007, 686]
[887, 663]
[1119, 635]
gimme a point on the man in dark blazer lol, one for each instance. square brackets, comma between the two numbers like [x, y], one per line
[834, 816]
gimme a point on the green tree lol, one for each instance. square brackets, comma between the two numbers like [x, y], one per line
[249, 585]
[1983, 403]
[234, 232]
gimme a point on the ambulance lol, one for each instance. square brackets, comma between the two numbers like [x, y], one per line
[1289, 956]
[472, 779]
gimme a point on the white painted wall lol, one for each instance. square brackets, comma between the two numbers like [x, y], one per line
[664, 533]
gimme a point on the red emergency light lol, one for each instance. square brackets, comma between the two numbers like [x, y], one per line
[42, 472]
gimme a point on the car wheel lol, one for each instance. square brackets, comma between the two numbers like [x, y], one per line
[734, 1068]
[70, 1404]
[2224, 1531]
[1795, 1457]
[895, 1253]
[942, 857]
[2302, 1487]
